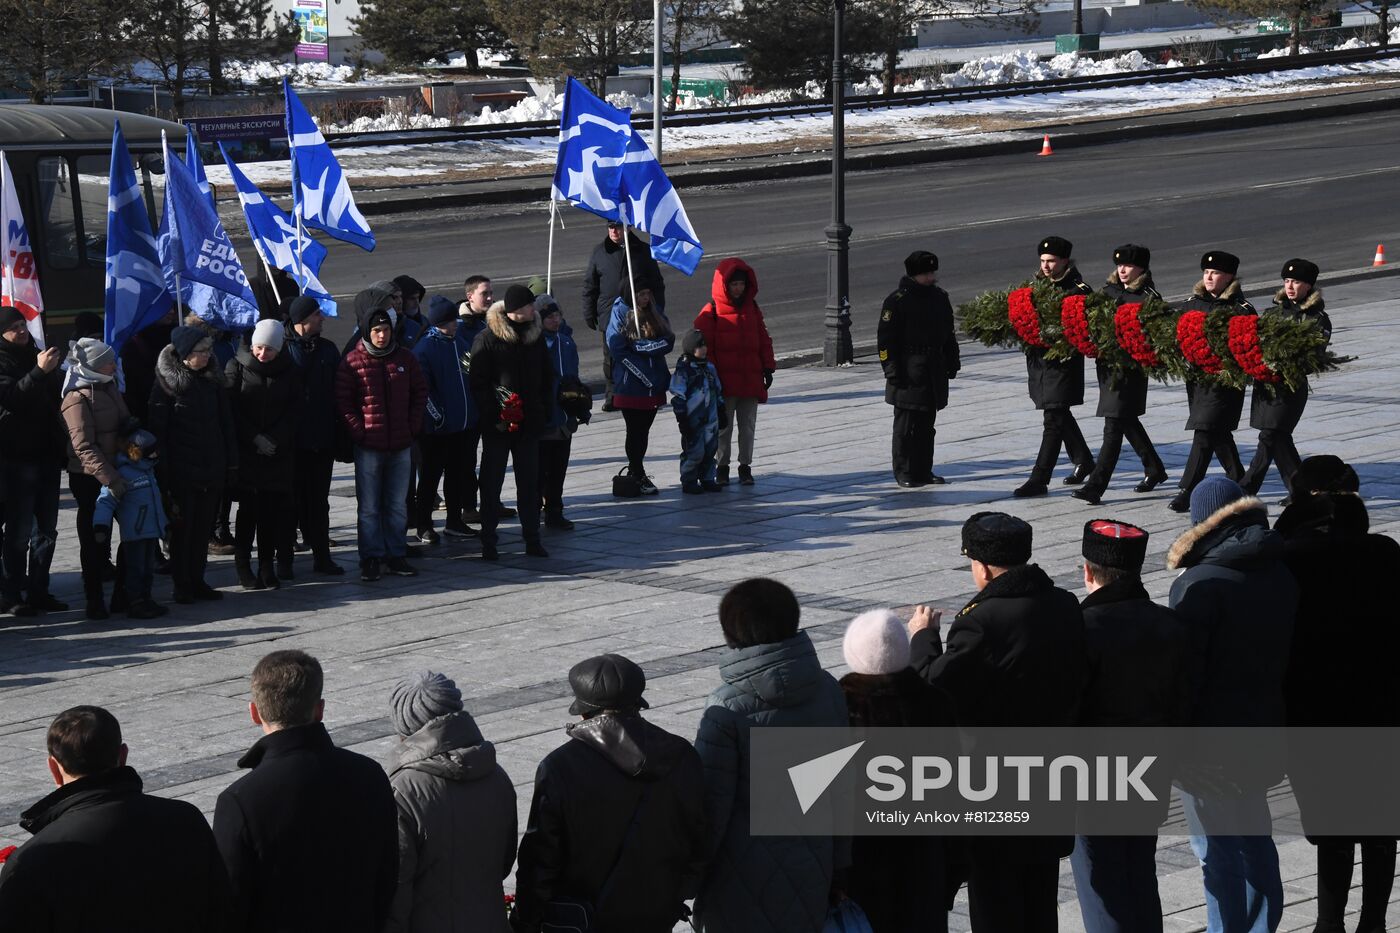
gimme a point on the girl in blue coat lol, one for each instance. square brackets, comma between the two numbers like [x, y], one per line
[451, 414]
[141, 517]
[638, 340]
[698, 401]
[557, 440]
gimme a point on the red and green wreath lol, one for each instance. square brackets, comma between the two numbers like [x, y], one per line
[1075, 323]
[1020, 310]
[1127, 326]
[1195, 344]
[1245, 347]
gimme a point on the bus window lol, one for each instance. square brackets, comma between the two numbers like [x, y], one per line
[56, 199]
[92, 196]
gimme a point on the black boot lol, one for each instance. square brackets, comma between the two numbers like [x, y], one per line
[268, 577]
[243, 565]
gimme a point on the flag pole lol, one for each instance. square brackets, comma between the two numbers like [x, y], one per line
[5, 263]
[631, 281]
[272, 283]
[549, 262]
[179, 308]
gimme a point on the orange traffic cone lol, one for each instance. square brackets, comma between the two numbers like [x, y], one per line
[1045, 149]
[1380, 255]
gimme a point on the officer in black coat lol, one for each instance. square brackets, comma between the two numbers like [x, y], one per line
[1137, 656]
[1015, 657]
[919, 354]
[104, 855]
[1215, 410]
[1123, 394]
[1055, 387]
[618, 817]
[1275, 410]
[603, 280]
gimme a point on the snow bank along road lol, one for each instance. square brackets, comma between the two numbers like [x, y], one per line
[1267, 194]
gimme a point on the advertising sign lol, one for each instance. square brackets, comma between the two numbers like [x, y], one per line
[313, 18]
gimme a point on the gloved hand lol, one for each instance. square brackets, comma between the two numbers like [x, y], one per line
[265, 445]
[592, 321]
[102, 535]
[768, 378]
[118, 487]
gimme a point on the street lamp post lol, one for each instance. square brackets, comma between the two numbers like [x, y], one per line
[658, 11]
[836, 348]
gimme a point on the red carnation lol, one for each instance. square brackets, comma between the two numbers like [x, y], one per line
[1244, 346]
[1076, 325]
[1128, 328]
[1191, 336]
[1020, 309]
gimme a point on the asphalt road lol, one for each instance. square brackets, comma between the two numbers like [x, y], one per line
[1324, 190]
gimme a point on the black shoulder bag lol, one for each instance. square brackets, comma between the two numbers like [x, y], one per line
[570, 915]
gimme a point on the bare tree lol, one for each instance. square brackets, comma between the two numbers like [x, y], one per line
[691, 24]
[586, 38]
[1381, 9]
[897, 20]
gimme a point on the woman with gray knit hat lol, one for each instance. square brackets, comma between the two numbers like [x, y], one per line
[457, 822]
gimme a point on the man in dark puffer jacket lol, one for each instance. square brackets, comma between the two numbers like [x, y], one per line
[381, 396]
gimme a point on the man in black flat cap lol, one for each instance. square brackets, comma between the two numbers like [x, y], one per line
[1123, 392]
[1215, 409]
[919, 354]
[1057, 386]
[1275, 409]
[1137, 654]
[1014, 657]
[617, 823]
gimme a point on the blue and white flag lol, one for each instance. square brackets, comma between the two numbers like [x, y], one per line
[275, 237]
[319, 187]
[200, 254]
[136, 293]
[196, 164]
[593, 138]
[654, 207]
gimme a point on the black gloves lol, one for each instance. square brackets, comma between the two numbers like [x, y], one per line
[768, 379]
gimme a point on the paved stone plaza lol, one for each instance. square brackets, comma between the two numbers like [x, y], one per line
[644, 577]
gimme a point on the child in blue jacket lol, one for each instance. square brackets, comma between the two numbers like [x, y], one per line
[571, 407]
[142, 520]
[698, 401]
[450, 417]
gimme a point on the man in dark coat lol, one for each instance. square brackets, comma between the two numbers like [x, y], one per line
[1275, 409]
[1215, 410]
[318, 359]
[603, 281]
[310, 834]
[1340, 673]
[1137, 652]
[105, 856]
[1123, 393]
[508, 359]
[919, 354]
[1015, 657]
[33, 453]
[618, 817]
[1238, 600]
[1057, 386]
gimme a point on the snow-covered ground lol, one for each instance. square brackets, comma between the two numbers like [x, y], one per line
[932, 121]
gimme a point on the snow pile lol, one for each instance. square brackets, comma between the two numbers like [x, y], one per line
[301, 73]
[1025, 65]
[389, 121]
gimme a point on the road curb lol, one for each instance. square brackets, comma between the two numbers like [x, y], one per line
[1066, 136]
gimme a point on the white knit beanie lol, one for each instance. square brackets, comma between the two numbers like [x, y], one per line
[876, 643]
[268, 333]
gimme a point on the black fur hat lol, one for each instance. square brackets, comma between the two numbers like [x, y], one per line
[1221, 261]
[997, 538]
[1056, 246]
[1300, 269]
[1131, 254]
[1115, 544]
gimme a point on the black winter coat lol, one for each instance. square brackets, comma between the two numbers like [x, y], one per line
[511, 356]
[1123, 394]
[139, 356]
[605, 277]
[318, 360]
[1137, 654]
[1058, 384]
[189, 414]
[266, 399]
[1015, 657]
[309, 836]
[622, 798]
[900, 881]
[107, 857]
[1277, 408]
[1341, 667]
[1213, 407]
[32, 429]
[1239, 602]
[918, 347]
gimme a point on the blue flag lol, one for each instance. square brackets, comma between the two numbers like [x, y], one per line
[196, 164]
[593, 138]
[654, 206]
[136, 296]
[201, 255]
[319, 187]
[274, 236]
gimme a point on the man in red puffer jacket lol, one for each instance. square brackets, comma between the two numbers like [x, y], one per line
[381, 396]
[742, 351]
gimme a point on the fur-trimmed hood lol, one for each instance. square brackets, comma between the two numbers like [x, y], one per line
[1136, 286]
[175, 378]
[1312, 303]
[1232, 291]
[504, 330]
[1239, 529]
